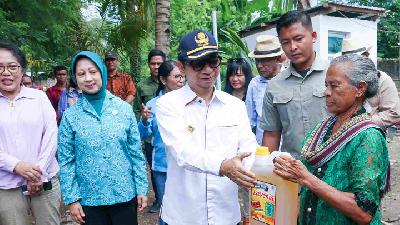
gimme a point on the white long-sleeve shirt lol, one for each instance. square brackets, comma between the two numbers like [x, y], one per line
[198, 138]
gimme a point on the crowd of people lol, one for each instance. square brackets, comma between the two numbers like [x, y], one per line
[85, 142]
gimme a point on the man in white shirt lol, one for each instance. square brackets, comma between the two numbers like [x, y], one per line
[207, 135]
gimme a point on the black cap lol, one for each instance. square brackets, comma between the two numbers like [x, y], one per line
[196, 44]
[111, 55]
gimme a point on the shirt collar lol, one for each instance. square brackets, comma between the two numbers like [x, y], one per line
[89, 108]
[118, 74]
[318, 65]
[262, 79]
[190, 95]
[24, 93]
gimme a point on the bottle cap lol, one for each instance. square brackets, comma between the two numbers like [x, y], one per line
[262, 151]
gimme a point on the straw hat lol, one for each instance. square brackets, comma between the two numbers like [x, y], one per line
[267, 46]
[353, 46]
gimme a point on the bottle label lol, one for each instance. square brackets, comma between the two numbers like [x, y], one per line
[263, 202]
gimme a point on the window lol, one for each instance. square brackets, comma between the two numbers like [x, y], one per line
[335, 40]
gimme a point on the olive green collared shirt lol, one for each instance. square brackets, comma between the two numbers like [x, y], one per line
[145, 90]
[294, 105]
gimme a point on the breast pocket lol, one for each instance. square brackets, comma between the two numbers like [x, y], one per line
[226, 135]
[283, 98]
[318, 98]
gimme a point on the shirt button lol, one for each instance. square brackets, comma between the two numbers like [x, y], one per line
[319, 170]
[309, 210]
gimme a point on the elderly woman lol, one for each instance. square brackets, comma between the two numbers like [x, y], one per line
[344, 170]
[102, 168]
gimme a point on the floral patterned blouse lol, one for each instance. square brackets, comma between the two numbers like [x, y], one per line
[100, 157]
[360, 167]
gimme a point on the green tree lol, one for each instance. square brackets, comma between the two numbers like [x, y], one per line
[162, 25]
[44, 29]
[388, 26]
[129, 26]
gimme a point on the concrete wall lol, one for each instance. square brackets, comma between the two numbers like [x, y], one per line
[365, 31]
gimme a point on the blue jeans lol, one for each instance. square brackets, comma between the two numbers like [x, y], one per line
[160, 178]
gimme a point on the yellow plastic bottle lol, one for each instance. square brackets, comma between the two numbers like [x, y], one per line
[274, 200]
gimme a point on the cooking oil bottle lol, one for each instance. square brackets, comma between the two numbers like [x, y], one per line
[273, 200]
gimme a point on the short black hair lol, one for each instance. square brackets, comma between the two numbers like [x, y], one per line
[155, 52]
[233, 66]
[163, 71]
[59, 68]
[15, 51]
[293, 17]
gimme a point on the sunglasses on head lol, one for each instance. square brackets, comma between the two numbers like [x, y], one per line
[212, 62]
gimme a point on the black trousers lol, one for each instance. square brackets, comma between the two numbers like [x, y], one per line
[118, 214]
[148, 154]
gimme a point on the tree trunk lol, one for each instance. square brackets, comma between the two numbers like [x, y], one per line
[163, 25]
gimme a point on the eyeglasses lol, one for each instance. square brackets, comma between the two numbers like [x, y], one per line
[179, 78]
[13, 69]
[198, 65]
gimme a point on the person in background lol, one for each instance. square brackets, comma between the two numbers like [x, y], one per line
[146, 90]
[267, 54]
[28, 145]
[207, 135]
[344, 167]
[102, 168]
[384, 107]
[169, 79]
[27, 81]
[119, 83]
[68, 97]
[238, 77]
[294, 100]
[54, 92]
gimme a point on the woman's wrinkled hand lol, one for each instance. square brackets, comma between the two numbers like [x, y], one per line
[290, 169]
[142, 202]
[77, 213]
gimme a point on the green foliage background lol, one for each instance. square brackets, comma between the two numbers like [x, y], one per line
[50, 32]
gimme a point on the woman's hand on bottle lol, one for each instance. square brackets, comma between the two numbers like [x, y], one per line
[77, 213]
[291, 169]
[142, 202]
[146, 113]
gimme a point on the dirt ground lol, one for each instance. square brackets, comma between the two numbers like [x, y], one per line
[391, 202]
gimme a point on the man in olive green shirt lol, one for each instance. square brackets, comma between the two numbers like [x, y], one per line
[294, 100]
[146, 90]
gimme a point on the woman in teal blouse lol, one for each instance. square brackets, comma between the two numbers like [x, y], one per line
[344, 169]
[102, 168]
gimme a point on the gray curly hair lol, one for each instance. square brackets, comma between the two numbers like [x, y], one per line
[361, 68]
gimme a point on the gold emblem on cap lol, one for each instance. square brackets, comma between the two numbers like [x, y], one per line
[201, 39]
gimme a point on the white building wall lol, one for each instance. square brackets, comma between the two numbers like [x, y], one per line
[362, 30]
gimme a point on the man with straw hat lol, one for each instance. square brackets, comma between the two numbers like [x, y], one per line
[267, 55]
[384, 107]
